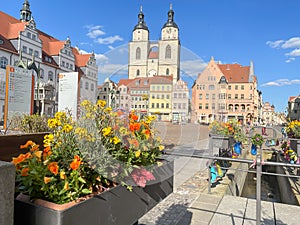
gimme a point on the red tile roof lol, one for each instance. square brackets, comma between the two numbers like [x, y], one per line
[153, 55]
[81, 59]
[7, 45]
[235, 73]
[11, 27]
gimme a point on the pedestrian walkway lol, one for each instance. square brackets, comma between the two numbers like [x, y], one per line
[191, 204]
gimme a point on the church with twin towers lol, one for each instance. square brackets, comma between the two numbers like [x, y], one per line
[155, 58]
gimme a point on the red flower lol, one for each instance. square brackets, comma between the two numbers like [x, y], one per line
[141, 176]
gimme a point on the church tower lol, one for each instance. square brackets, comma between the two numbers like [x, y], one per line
[138, 49]
[169, 48]
[25, 13]
[149, 58]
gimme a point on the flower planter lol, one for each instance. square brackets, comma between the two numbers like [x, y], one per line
[218, 141]
[295, 145]
[117, 206]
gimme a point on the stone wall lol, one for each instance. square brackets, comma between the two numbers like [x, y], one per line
[7, 189]
[289, 187]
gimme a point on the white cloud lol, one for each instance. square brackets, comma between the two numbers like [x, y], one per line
[281, 82]
[294, 53]
[289, 60]
[275, 44]
[292, 43]
[100, 58]
[109, 40]
[94, 31]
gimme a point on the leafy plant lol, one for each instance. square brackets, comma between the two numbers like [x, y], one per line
[90, 155]
[230, 128]
[257, 139]
[293, 129]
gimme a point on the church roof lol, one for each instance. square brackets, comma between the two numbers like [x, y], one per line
[170, 22]
[141, 23]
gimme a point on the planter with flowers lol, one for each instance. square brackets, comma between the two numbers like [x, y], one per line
[293, 132]
[257, 140]
[226, 135]
[102, 169]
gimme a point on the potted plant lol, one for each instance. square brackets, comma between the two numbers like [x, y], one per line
[230, 131]
[256, 140]
[89, 160]
[293, 132]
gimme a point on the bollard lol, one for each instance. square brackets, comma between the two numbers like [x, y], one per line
[7, 189]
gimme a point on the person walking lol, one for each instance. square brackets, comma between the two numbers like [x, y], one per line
[264, 128]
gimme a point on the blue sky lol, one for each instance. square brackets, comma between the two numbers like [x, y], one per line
[232, 31]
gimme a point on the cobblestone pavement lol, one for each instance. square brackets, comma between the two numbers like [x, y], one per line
[173, 208]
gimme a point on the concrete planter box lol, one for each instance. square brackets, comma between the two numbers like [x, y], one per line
[295, 145]
[218, 141]
[118, 206]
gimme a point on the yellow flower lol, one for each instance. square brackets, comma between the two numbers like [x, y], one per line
[53, 123]
[101, 103]
[115, 140]
[62, 175]
[106, 131]
[161, 147]
[67, 128]
[137, 153]
[66, 186]
[108, 109]
[48, 140]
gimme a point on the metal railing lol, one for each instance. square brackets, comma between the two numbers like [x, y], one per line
[258, 162]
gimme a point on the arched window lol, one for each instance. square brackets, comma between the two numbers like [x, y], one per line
[137, 72]
[168, 52]
[138, 53]
[50, 75]
[167, 71]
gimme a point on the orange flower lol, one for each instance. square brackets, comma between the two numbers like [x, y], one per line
[28, 143]
[134, 126]
[24, 172]
[38, 154]
[34, 148]
[21, 158]
[76, 163]
[47, 152]
[147, 133]
[47, 180]
[53, 167]
[18, 160]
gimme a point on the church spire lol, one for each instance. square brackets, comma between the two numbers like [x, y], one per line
[170, 22]
[141, 23]
[25, 13]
